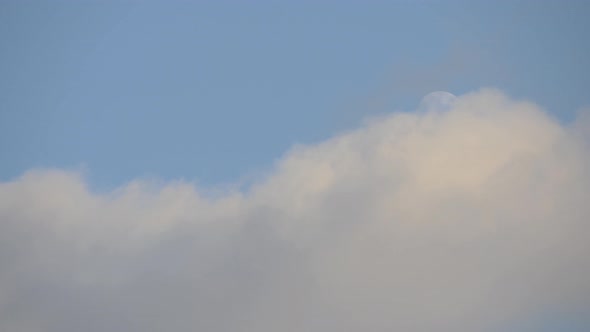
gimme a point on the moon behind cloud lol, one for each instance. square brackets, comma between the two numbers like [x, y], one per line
[437, 101]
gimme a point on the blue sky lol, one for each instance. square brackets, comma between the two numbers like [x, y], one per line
[354, 207]
[215, 91]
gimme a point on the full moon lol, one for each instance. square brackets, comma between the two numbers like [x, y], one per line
[437, 101]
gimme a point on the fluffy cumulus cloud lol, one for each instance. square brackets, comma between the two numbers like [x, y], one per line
[461, 218]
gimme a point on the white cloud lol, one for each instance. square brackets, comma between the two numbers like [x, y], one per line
[455, 220]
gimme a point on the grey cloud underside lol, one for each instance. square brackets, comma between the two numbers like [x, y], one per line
[455, 220]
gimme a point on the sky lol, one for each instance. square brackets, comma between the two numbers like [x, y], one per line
[294, 166]
[214, 91]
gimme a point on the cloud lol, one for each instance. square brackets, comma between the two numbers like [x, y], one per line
[463, 219]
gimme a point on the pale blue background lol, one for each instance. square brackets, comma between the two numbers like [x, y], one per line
[214, 91]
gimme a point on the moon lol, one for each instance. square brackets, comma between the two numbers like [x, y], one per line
[437, 101]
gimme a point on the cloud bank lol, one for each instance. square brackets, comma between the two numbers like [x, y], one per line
[462, 219]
